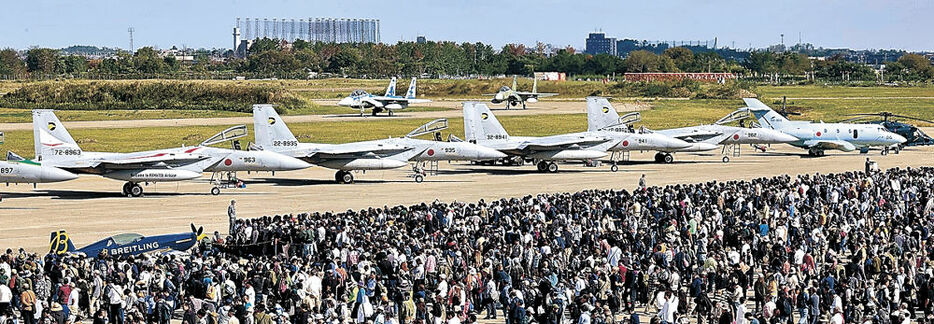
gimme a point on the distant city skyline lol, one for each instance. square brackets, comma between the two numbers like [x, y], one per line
[856, 24]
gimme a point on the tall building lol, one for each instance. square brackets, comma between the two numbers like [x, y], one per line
[598, 43]
[332, 30]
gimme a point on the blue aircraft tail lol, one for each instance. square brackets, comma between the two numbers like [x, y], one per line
[410, 94]
[60, 243]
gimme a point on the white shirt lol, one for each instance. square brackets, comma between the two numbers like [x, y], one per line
[5, 294]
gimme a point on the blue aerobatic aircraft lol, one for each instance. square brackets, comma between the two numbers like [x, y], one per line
[128, 243]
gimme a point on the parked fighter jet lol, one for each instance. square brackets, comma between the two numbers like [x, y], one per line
[513, 97]
[127, 244]
[19, 170]
[56, 148]
[273, 134]
[602, 115]
[389, 102]
[817, 137]
[482, 127]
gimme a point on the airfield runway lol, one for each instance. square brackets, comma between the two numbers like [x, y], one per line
[91, 208]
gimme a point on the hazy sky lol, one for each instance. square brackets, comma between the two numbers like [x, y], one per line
[204, 23]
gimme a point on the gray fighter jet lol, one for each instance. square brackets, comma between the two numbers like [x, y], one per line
[273, 134]
[602, 115]
[482, 127]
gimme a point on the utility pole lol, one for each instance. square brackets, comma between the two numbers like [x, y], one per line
[131, 30]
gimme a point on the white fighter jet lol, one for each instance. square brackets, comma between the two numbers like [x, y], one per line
[19, 170]
[56, 148]
[273, 134]
[602, 115]
[513, 97]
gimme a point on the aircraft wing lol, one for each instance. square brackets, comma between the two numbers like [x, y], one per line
[357, 149]
[385, 101]
[830, 145]
[693, 135]
[149, 160]
[535, 94]
[554, 143]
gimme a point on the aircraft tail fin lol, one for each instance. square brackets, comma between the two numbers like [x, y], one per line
[60, 243]
[270, 131]
[480, 125]
[514, 83]
[50, 138]
[767, 117]
[411, 93]
[600, 113]
[391, 89]
[534, 85]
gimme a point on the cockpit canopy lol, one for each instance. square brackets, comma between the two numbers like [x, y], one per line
[126, 238]
[357, 93]
[504, 89]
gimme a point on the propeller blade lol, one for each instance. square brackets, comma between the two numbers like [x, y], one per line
[193, 230]
[200, 230]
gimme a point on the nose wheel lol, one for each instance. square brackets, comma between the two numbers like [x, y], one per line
[131, 189]
[344, 177]
[614, 168]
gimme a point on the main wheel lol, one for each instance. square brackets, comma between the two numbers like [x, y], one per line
[885, 151]
[419, 178]
[669, 158]
[614, 168]
[215, 191]
[552, 167]
[136, 190]
[347, 177]
[542, 166]
[659, 157]
[126, 188]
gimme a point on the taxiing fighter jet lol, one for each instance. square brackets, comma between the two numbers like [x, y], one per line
[817, 137]
[482, 127]
[513, 97]
[388, 102]
[273, 134]
[602, 115]
[56, 148]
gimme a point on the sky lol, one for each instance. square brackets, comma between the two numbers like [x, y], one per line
[858, 24]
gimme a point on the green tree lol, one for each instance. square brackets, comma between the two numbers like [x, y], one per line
[682, 57]
[75, 64]
[147, 60]
[10, 64]
[43, 61]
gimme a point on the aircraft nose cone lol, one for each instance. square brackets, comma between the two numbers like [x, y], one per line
[486, 154]
[288, 163]
[784, 138]
[899, 139]
[498, 96]
[56, 174]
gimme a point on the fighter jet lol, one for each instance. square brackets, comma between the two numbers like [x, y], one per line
[513, 97]
[388, 102]
[127, 244]
[273, 134]
[602, 115]
[482, 127]
[19, 170]
[56, 148]
[818, 137]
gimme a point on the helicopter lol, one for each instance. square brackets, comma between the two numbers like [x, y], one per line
[914, 135]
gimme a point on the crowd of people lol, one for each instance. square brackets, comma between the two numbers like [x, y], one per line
[833, 248]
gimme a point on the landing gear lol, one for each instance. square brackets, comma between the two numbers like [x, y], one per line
[131, 189]
[511, 103]
[542, 166]
[523, 105]
[885, 151]
[898, 149]
[664, 157]
[344, 177]
[614, 168]
[726, 159]
[813, 152]
[419, 178]
[552, 167]
[215, 191]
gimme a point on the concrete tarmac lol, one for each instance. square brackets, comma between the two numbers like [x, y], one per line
[91, 208]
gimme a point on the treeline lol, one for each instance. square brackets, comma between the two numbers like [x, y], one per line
[301, 59]
[165, 94]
